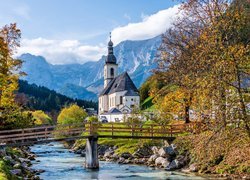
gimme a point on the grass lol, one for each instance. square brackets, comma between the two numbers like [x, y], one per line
[123, 145]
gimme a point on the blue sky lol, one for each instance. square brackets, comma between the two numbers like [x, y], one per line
[83, 25]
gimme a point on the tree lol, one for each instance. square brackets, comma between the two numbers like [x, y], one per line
[11, 115]
[206, 54]
[71, 115]
[9, 41]
[40, 118]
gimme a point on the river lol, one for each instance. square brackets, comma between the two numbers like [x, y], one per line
[61, 164]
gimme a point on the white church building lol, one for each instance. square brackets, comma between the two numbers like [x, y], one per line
[119, 96]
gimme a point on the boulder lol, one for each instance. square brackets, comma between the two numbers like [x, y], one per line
[127, 161]
[141, 161]
[16, 172]
[17, 166]
[22, 160]
[193, 168]
[2, 151]
[9, 159]
[83, 153]
[121, 160]
[31, 157]
[78, 151]
[115, 157]
[102, 149]
[108, 153]
[161, 162]
[143, 152]
[39, 171]
[154, 150]
[173, 165]
[162, 152]
[126, 155]
[24, 165]
[171, 150]
[152, 158]
[144, 160]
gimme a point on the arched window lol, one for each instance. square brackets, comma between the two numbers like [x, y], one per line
[112, 71]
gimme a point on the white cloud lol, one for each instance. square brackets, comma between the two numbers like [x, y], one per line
[73, 51]
[150, 26]
[62, 51]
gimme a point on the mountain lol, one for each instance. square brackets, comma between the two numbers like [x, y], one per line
[41, 98]
[85, 81]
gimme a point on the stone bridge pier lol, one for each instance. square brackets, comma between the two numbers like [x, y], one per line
[91, 157]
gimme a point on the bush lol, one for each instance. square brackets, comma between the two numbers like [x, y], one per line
[40, 118]
[12, 117]
[71, 115]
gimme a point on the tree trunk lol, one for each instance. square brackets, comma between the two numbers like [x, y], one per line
[187, 118]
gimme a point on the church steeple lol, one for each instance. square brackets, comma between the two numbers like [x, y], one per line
[110, 67]
[110, 58]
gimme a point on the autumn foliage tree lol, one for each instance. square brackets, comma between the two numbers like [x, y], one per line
[10, 113]
[206, 55]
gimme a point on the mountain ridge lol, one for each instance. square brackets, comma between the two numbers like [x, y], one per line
[83, 80]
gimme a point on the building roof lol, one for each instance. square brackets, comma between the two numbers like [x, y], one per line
[114, 111]
[121, 83]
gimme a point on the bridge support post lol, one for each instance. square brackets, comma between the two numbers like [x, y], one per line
[91, 157]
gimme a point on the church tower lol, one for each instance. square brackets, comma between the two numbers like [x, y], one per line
[110, 67]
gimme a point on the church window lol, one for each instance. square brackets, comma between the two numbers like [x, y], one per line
[132, 106]
[121, 100]
[132, 99]
[112, 71]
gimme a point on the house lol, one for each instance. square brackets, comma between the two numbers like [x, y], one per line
[120, 95]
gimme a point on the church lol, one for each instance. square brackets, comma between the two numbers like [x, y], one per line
[120, 95]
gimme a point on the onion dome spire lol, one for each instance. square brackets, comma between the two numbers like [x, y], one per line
[110, 58]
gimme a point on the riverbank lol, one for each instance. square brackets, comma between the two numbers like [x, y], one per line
[224, 154]
[15, 163]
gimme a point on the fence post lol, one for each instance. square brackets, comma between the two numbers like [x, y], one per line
[46, 129]
[22, 136]
[171, 131]
[152, 130]
[112, 125]
[132, 130]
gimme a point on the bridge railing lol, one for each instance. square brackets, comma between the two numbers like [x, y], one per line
[135, 129]
[86, 129]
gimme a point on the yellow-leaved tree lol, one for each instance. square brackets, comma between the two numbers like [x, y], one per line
[11, 115]
[70, 117]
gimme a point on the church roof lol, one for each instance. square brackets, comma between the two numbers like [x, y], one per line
[114, 111]
[121, 83]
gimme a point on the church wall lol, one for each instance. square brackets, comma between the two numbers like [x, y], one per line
[103, 104]
[114, 99]
[132, 101]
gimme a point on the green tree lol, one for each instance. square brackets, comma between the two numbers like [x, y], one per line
[71, 115]
[41, 118]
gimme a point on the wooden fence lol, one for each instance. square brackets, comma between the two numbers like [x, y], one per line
[85, 130]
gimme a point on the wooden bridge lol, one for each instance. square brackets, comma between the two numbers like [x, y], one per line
[92, 131]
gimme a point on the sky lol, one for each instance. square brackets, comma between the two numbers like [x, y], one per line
[76, 31]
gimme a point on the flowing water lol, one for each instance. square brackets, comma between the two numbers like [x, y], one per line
[60, 164]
